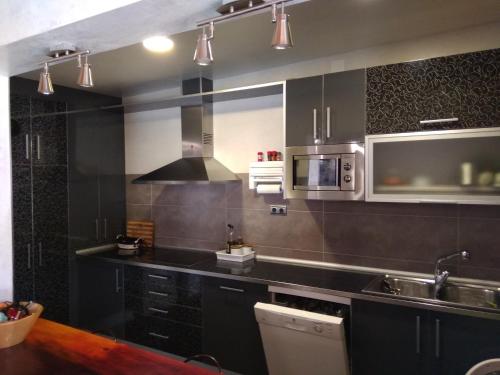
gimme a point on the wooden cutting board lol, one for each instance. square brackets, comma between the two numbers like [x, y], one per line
[142, 229]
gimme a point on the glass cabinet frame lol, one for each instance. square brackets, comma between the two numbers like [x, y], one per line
[401, 194]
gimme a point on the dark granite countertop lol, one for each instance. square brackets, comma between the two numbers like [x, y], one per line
[341, 283]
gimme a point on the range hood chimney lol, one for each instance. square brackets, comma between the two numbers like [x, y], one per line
[197, 164]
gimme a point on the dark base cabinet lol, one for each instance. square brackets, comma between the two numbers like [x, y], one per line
[164, 334]
[385, 339]
[389, 339]
[230, 330]
[163, 310]
[100, 296]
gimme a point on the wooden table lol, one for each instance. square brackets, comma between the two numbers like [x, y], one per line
[56, 349]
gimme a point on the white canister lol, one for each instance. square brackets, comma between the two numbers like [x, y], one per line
[467, 174]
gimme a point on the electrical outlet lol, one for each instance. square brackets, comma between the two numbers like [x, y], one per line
[278, 209]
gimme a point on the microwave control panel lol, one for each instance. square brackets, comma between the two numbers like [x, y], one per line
[347, 168]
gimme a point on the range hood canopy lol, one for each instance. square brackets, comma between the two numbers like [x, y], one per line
[197, 164]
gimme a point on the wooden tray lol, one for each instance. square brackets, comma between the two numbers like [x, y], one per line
[142, 229]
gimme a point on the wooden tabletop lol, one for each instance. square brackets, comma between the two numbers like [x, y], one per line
[54, 349]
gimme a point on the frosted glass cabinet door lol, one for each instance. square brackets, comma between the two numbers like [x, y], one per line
[456, 166]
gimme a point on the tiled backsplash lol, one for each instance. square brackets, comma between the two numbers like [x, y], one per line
[406, 237]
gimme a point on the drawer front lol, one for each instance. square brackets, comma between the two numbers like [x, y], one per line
[177, 338]
[166, 295]
[161, 278]
[154, 307]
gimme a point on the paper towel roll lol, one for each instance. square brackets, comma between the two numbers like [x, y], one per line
[269, 189]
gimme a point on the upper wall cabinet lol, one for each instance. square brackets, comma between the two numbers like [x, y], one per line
[326, 109]
[450, 166]
[454, 92]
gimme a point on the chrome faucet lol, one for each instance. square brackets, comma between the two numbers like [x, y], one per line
[440, 277]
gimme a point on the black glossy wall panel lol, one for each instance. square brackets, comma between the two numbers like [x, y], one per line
[20, 129]
[39, 128]
[49, 140]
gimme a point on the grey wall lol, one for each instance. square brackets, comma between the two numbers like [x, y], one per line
[405, 237]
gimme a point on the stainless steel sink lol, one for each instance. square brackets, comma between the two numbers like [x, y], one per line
[423, 289]
[402, 286]
[471, 295]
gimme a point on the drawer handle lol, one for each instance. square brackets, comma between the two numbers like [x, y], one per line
[153, 309]
[231, 289]
[438, 338]
[417, 327]
[159, 336]
[158, 294]
[159, 277]
[439, 120]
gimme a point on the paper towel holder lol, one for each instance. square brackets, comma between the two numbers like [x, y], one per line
[266, 177]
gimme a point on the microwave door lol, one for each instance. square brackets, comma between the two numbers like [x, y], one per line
[316, 172]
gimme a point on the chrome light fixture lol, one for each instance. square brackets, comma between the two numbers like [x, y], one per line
[203, 54]
[85, 76]
[45, 82]
[64, 54]
[282, 38]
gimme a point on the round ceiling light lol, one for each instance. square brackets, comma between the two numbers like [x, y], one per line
[158, 44]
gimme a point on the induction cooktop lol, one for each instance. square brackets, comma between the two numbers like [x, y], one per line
[178, 257]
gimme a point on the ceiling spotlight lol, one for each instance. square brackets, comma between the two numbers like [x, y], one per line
[203, 55]
[45, 82]
[85, 76]
[158, 44]
[282, 38]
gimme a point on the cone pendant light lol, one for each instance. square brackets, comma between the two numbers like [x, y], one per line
[85, 76]
[45, 82]
[282, 37]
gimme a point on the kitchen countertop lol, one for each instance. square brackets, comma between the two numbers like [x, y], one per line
[53, 348]
[341, 283]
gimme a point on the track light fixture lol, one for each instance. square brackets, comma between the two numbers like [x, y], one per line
[282, 36]
[57, 56]
[203, 55]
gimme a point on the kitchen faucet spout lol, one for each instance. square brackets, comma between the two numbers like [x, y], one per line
[440, 277]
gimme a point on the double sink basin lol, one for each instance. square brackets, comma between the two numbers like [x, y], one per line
[476, 296]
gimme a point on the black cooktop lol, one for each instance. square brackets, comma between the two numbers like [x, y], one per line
[177, 257]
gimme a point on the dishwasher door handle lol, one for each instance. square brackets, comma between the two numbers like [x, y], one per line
[295, 327]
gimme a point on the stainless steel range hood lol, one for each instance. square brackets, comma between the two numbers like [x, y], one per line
[197, 164]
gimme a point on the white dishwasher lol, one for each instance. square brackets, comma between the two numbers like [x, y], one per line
[304, 334]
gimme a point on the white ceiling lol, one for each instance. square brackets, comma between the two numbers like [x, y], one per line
[320, 28]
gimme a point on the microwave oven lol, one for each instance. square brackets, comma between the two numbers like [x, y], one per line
[327, 172]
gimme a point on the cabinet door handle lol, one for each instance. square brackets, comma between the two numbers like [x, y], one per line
[105, 228]
[40, 254]
[38, 147]
[315, 123]
[439, 120]
[29, 256]
[117, 280]
[438, 338]
[232, 289]
[417, 339]
[328, 123]
[27, 147]
[153, 309]
[159, 277]
[158, 294]
[97, 229]
[159, 336]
